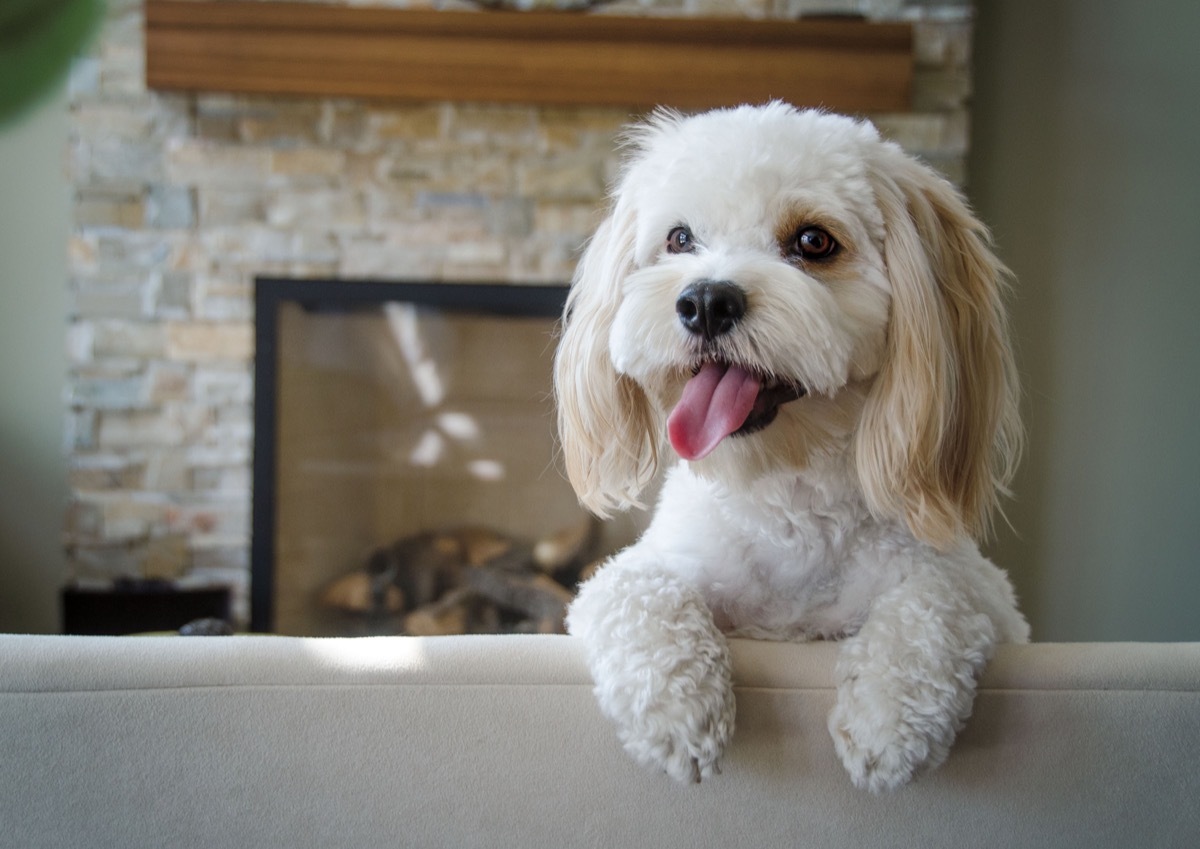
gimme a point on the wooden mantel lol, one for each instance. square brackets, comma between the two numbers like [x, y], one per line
[524, 57]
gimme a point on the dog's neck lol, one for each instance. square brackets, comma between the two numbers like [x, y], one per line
[827, 487]
[828, 484]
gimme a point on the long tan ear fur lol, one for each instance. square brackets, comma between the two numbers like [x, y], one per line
[610, 438]
[940, 434]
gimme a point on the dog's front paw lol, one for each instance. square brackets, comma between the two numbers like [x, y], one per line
[907, 681]
[897, 716]
[879, 749]
[679, 721]
[661, 668]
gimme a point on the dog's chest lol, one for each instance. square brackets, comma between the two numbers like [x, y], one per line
[795, 569]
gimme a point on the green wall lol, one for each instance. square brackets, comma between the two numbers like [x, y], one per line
[1086, 162]
[33, 308]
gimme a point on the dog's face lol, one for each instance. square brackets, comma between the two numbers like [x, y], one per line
[758, 271]
[772, 284]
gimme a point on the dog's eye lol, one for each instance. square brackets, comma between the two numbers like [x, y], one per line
[680, 241]
[813, 243]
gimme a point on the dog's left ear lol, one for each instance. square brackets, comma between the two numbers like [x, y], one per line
[940, 434]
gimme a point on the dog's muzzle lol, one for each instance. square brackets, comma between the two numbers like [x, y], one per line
[722, 398]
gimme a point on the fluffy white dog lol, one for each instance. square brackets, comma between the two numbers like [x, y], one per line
[813, 321]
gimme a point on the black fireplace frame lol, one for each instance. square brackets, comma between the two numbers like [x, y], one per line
[340, 295]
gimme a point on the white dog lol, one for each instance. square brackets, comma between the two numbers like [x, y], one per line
[813, 320]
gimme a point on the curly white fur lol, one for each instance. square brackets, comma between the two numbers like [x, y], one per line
[851, 513]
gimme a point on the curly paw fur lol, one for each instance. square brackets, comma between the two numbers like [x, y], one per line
[661, 669]
[906, 682]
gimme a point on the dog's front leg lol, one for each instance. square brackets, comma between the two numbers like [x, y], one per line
[906, 681]
[660, 665]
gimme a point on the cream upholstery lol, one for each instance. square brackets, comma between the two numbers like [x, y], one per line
[495, 742]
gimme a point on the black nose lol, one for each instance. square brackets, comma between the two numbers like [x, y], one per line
[711, 309]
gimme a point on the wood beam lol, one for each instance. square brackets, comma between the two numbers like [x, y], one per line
[524, 57]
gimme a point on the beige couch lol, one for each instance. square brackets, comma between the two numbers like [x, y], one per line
[495, 742]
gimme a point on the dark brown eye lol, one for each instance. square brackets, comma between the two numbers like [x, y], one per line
[813, 243]
[680, 241]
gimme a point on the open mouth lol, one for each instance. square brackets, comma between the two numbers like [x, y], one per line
[773, 393]
[723, 399]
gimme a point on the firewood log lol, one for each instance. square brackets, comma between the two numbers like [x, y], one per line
[468, 580]
[477, 545]
[450, 614]
[562, 548]
[359, 592]
[534, 595]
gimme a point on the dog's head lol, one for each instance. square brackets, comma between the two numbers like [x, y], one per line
[774, 285]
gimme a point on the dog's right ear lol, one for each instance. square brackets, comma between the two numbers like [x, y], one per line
[610, 437]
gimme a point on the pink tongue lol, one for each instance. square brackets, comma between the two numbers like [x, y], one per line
[714, 404]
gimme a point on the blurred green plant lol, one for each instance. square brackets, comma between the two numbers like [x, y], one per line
[38, 39]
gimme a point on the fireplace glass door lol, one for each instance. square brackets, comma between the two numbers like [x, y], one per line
[414, 486]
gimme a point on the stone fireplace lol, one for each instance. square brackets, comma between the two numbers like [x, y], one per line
[182, 201]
